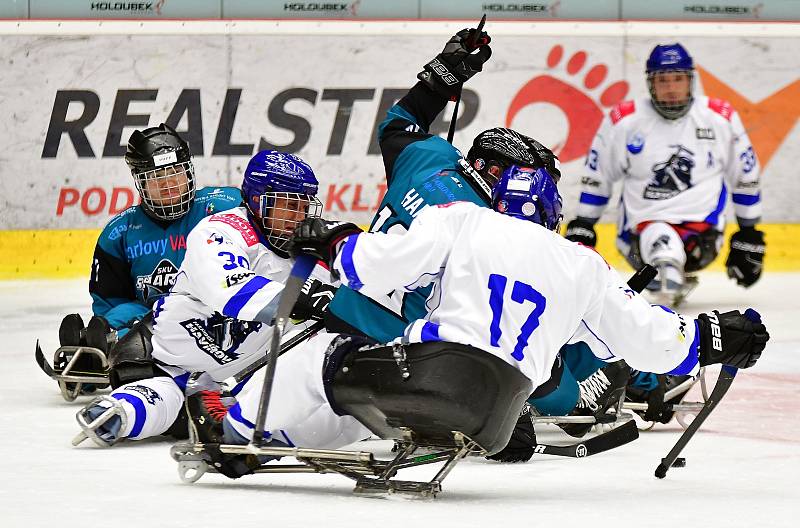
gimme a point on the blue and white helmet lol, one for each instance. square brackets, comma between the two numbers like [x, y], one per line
[670, 58]
[529, 194]
[280, 190]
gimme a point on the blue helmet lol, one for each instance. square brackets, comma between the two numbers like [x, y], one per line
[280, 190]
[665, 59]
[529, 194]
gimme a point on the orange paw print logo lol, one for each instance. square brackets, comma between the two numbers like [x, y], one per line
[577, 98]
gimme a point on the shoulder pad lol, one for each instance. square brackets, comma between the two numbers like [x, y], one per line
[621, 110]
[721, 106]
[244, 227]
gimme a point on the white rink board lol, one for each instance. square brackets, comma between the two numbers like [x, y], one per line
[321, 66]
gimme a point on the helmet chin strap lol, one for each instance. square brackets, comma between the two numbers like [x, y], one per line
[476, 177]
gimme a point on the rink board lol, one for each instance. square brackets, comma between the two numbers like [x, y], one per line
[74, 91]
[32, 254]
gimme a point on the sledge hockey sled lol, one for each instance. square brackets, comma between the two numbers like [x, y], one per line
[439, 401]
[682, 410]
[71, 380]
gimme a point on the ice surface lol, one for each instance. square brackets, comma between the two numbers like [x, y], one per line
[742, 468]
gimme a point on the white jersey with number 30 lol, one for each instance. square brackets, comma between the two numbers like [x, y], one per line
[516, 290]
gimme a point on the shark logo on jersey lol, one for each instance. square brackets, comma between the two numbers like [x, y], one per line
[159, 282]
[220, 336]
[671, 177]
[149, 394]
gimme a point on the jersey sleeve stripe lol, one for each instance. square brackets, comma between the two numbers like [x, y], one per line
[713, 217]
[235, 413]
[746, 199]
[430, 332]
[593, 199]
[139, 410]
[691, 360]
[245, 293]
[353, 280]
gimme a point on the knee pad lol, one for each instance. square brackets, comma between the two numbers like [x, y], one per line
[131, 359]
[659, 243]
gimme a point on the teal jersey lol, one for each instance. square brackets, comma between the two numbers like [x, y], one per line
[136, 257]
[422, 170]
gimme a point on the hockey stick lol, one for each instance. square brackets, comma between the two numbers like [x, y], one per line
[470, 44]
[726, 375]
[42, 362]
[619, 436]
[291, 291]
[285, 347]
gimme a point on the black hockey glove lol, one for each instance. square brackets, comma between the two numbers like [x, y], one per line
[522, 443]
[731, 338]
[315, 296]
[321, 238]
[456, 63]
[746, 257]
[582, 232]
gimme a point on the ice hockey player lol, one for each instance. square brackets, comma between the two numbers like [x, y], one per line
[519, 305]
[678, 156]
[424, 170]
[217, 317]
[139, 251]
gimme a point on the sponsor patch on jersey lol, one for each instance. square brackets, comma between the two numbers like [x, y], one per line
[636, 143]
[621, 110]
[705, 133]
[117, 231]
[590, 182]
[236, 278]
[159, 282]
[239, 224]
[215, 238]
[722, 107]
[220, 336]
[149, 394]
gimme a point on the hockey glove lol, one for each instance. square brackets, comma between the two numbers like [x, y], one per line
[522, 443]
[731, 338]
[321, 238]
[746, 257]
[581, 231]
[315, 296]
[456, 63]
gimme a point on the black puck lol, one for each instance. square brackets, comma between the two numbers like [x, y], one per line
[679, 462]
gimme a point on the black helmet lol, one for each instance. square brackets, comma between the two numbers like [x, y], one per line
[161, 163]
[495, 150]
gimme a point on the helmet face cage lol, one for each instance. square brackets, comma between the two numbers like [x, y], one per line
[280, 213]
[528, 194]
[167, 192]
[665, 60]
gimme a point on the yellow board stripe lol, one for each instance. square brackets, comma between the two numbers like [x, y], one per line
[34, 254]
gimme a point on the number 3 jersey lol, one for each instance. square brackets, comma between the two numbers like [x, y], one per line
[217, 316]
[516, 290]
[675, 171]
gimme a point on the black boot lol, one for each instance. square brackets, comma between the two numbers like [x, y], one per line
[71, 332]
[597, 394]
[206, 412]
[656, 404]
[522, 442]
